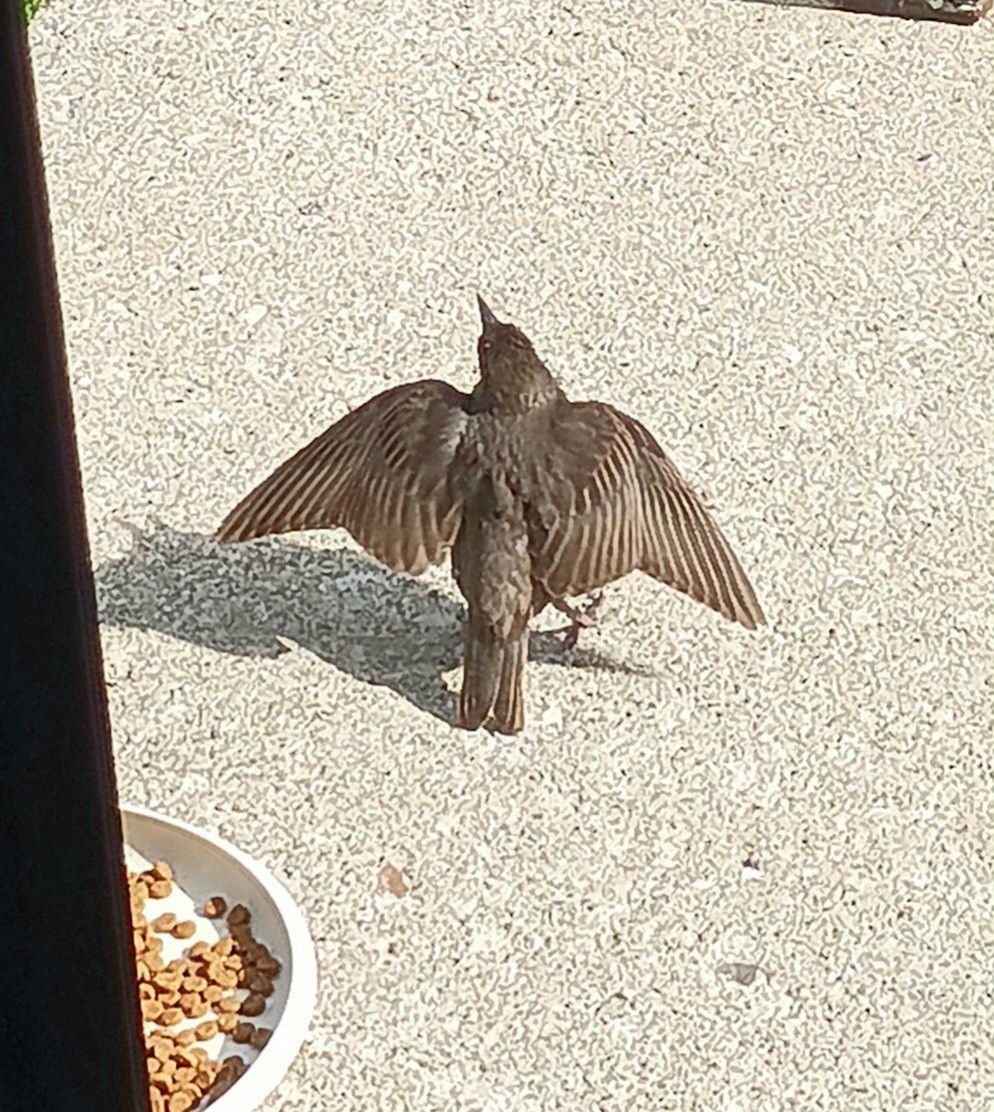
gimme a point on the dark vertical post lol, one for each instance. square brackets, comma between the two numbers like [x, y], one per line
[69, 1020]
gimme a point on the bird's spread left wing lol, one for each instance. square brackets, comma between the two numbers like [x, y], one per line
[606, 500]
[383, 472]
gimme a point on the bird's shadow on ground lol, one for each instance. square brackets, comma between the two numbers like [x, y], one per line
[341, 606]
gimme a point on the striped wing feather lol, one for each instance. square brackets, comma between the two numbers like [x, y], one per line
[382, 472]
[608, 501]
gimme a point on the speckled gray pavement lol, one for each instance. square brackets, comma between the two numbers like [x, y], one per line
[768, 234]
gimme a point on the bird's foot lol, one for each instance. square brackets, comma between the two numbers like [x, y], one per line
[579, 619]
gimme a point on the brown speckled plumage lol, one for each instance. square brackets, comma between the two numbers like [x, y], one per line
[538, 498]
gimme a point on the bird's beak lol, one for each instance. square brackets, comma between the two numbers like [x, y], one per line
[485, 314]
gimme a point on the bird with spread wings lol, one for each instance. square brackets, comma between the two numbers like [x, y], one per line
[537, 499]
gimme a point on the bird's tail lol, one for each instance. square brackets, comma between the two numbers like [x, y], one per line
[491, 682]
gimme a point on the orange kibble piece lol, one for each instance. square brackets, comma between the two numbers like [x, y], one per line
[159, 889]
[164, 923]
[192, 1055]
[198, 949]
[227, 1004]
[227, 1022]
[162, 870]
[151, 1009]
[161, 1048]
[226, 978]
[180, 1102]
[154, 962]
[186, 1037]
[224, 947]
[186, 929]
[213, 993]
[206, 1031]
[194, 984]
[171, 1016]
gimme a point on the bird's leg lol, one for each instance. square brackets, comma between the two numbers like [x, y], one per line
[579, 619]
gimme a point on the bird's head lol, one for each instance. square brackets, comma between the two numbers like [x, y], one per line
[511, 374]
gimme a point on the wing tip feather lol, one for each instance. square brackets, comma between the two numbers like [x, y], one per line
[234, 529]
[750, 614]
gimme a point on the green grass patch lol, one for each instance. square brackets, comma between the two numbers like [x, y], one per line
[28, 9]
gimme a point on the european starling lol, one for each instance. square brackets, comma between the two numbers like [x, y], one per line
[538, 498]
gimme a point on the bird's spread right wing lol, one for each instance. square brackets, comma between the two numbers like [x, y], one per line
[606, 500]
[383, 472]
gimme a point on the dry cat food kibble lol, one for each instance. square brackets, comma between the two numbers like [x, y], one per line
[260, 1036]
[214, 989]
[215, 907]
[243, 1032]
[239, 916]
[231, 1069]
[252, 1005]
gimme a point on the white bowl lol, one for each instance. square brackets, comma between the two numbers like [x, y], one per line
[205, 866]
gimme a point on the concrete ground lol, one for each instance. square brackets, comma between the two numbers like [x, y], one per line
[765, 232]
